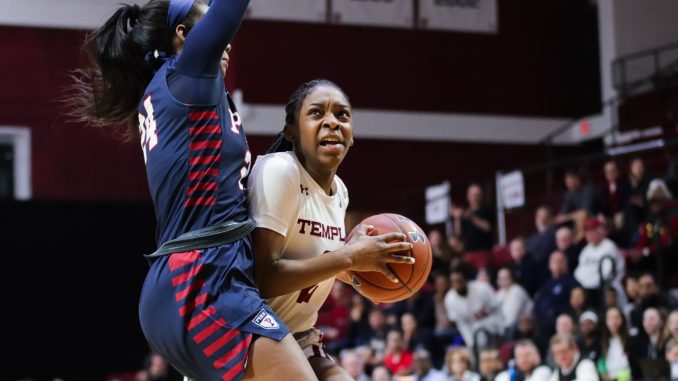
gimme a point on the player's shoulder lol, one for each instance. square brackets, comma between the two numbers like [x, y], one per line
[278, 164]
[341, 187]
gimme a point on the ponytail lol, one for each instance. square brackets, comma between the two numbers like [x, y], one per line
[280, 144]
[124, 55]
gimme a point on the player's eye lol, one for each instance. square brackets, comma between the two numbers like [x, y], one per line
[344, 114]
[314, 111]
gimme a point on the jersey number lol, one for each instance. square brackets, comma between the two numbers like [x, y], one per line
[147, 129]
[245, 170]
[305, 294]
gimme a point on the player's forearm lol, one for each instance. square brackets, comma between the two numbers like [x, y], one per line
[289, 275]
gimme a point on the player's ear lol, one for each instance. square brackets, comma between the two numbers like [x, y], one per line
[290, 133]
[181, 32]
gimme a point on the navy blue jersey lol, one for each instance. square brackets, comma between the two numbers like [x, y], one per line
[194, 146]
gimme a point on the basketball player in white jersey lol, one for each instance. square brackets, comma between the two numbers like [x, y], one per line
[299, 205]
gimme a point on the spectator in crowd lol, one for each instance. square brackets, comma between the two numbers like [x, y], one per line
[422, 305]
[672, 358]
[631, 289]
[579, 197]
[588, 339]
[578, 302]
[553, 298]
[472, 307]
[528, 364]
[489, 364]
[649, 295]
[671, 329]
[512, 298]
[615, 342]
[525, 329]
[334, 316]
[615, 194]
[637, 183]
[442, 254]
[658, 234]
[564, 325]
[542, 243]
[570, 364]
[371, 333]
[474, 226]
[649, 343]
[381, 373]
[413, 337]
[611, 298]
[523, 267]
[397, 358]
[592, 258]
[445, 332]
[156, 368]
[423, 367]
[565, 244]
[459, 365]
[354, 364]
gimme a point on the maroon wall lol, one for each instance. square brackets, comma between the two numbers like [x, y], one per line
[529, 68]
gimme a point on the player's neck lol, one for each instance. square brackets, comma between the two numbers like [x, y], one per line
[324, 178]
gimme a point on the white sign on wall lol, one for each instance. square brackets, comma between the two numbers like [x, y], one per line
[288, 10]
[389, 13]
[438, 203]
[462, 15]
[512, 188]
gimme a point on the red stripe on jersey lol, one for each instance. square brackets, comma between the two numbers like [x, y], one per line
[179, 279]
[191, 304]
[192, 288]
[178, 260]
[200, 318]
[211, 129]
[198, 160]
[202, 186]
[219, 343]
[207, 332]
[230, 355]
[205, 144]
[203, 115]
[197, 175]
[199, 201]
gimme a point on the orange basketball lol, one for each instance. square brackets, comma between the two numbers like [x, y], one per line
[376, 286]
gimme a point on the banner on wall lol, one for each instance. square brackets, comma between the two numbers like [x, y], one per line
[288, 10]
[460, 15]
[387, 13]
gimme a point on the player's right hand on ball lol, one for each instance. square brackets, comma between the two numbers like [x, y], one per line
[374, 252]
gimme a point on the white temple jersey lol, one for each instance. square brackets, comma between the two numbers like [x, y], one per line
[284, 198]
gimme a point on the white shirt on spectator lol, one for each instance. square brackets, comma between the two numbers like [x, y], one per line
[586, 272]
[616, 359]
[514, 303]
[585, 371]
[540, 373]
[462, 310]
[432, 375]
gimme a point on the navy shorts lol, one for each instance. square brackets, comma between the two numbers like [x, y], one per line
[201, 311]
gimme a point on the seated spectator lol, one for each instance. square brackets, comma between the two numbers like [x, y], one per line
[523, 267]
[593, 257]
[459, 365]
[413, 337]
[372, 334]
[442, 254]
[543, 242]
[489, 364]
[672, 358]
[512, 298]
[671, 329]
[649, 295]
[614, 362]
[422, 304]
[578, 302]
[527, 363]
[564, 325]
[353, 364]
[381, 373]
[565, 244]
[579, 197]
[615, 194]
[588, 339]
[397, 358]
[570, 364]
[637, 182]
[445, 332]
[471, 306]
[553, 298]
[474, 227]
[423, 367]
[649, 343]
[334, 316]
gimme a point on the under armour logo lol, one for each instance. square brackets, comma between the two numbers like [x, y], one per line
[304, 190]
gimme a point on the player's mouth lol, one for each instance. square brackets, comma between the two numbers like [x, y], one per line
[332, 144]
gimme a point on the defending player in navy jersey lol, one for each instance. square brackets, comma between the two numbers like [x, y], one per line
[299, 205]
[160, 68]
